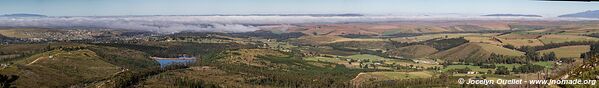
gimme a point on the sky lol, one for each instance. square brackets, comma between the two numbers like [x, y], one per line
[372, 7]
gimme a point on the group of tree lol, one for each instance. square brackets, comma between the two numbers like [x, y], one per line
[437, 43]
[528, 68]
[7, 81]
[556, 45]
[502, 70]
[594, 51]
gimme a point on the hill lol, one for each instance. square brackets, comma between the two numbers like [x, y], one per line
[316, 40]
[59, 68]
[413, 51]
[513, 15]
[391, 28]
[254, 68]
[586, 14]
[69, 64]
[568, 51]
[475, 50]
[23, 15]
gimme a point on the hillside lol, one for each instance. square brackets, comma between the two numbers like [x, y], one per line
[414, 51]
[316, 40]
[59, 68]
[568, 51]
[68, 64]
[254, 68]
[475, 50]
[586, 14]
[513, 15]
[391, 28]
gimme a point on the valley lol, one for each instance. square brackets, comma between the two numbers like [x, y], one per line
[379, 54]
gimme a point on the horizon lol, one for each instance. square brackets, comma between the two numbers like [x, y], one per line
[210, 7]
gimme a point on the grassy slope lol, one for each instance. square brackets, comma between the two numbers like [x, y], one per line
[475, 50]
[126, 58]
[546, 39]
[60, 69]
[21, 32]
[367, 77]
[413, 51]
[568, 51]
[246, 67]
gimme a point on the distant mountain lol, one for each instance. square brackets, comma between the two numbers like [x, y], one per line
[586, 14]
[315, 15]
[23, 15]
[514, 15]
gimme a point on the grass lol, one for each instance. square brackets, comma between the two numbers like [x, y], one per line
[500, 50]
[568, 51]
[522, 42]
[473, 68]
[480, 39]
[546, 39]
[475, 50]
[366, 57]
[547, 64]
[324, 59]
[433, 36]
[59, 68]
[402, 75]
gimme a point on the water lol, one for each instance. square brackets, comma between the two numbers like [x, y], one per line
[165, 62]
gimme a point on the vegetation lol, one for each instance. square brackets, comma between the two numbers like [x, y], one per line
[313, 58]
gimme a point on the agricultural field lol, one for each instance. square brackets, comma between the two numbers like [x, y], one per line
[381, 76]
[433, 36]
[546, 39]
[568, 51]
[475, 50]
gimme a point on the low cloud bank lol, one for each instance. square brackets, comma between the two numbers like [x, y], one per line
[168, 24]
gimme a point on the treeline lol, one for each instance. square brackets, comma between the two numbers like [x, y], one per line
[7, 81]
[21, 51]
[443, 80]
[130, 78]
[290, 72]
[437, 43]
[259, 34]
[176, 49]
[555, 45]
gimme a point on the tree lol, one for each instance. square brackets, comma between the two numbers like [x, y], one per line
[6, 81]
[530, 68]
[509, 46]
[567, 60]
[549, 57]
[502, 70]
[516, 70]
[531, 53]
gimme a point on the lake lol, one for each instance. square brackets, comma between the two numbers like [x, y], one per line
[165, 62]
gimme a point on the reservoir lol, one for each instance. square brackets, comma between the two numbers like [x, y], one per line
[167, 61]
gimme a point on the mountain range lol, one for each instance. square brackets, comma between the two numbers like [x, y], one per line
[586, 14]
[513, 15]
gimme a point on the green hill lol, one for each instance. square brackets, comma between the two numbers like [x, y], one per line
[475, 50]
[68, 64]
[59, 68]
[255, 68]
[413, 51]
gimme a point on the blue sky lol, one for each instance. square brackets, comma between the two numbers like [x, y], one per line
[377, 7]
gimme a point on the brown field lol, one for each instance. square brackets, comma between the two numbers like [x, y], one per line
[475, 50]
[568, 51]
[546, 39]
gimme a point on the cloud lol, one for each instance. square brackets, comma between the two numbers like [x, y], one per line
[168, 24]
